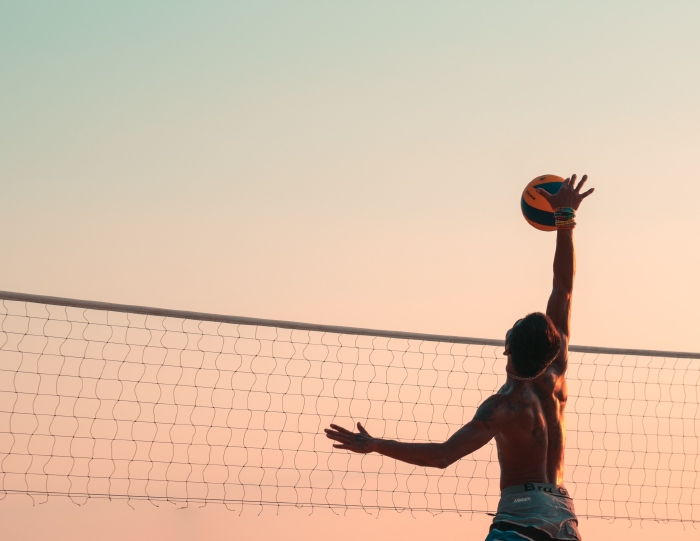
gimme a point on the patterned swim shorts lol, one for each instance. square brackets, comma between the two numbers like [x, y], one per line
[535, 512]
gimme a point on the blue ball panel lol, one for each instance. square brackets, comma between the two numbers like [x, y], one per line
[549, 187]
[538, 216]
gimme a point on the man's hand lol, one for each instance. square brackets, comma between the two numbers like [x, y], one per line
[357, 443]
[567, 196]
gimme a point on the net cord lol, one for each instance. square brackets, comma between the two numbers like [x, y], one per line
[336, 329]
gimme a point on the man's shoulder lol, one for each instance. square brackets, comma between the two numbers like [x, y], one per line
[522, 399]
[491, 411]
[504, 396]
[508, 406]
[507, 403]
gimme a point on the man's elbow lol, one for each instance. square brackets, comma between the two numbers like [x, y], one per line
[445, 460]
[435, 462]
[443, 463]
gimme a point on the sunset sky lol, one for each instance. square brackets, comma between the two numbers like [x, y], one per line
[355, 164]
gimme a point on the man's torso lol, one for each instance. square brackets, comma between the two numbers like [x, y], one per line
[531, 445]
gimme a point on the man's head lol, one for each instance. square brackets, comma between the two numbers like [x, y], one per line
[532, 344]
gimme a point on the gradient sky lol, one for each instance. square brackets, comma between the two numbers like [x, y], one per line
[353, 163]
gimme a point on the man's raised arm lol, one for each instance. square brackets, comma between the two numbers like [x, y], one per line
[565, 202]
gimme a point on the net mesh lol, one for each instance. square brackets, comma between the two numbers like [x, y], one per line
[97, 403]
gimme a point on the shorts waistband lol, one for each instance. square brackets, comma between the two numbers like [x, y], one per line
[546, 488]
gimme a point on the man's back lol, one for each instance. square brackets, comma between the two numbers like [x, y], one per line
[531, 444]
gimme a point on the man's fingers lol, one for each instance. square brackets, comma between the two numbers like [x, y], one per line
[340, 446]
[580, 184]
[544, 193]
[586, 194]
[362, 429]
[337, 436]
[342, 441]
[341, 429]
[572, 180]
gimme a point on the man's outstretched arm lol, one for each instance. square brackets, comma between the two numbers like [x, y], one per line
[559, 305]
[487, 422]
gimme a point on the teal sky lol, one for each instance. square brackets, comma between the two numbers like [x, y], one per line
[353, 163]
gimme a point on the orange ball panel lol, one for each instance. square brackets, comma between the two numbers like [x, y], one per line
[541, 227]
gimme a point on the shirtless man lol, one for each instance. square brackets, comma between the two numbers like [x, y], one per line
[525, 416]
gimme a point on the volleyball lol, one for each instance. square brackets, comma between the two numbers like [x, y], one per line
[536, 209]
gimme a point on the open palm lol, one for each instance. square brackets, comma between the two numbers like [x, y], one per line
[568, 195]
[352, 441]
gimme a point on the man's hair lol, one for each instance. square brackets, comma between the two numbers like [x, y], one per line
[533, 343]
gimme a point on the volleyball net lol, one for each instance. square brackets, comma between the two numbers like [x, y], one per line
[109, 401]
